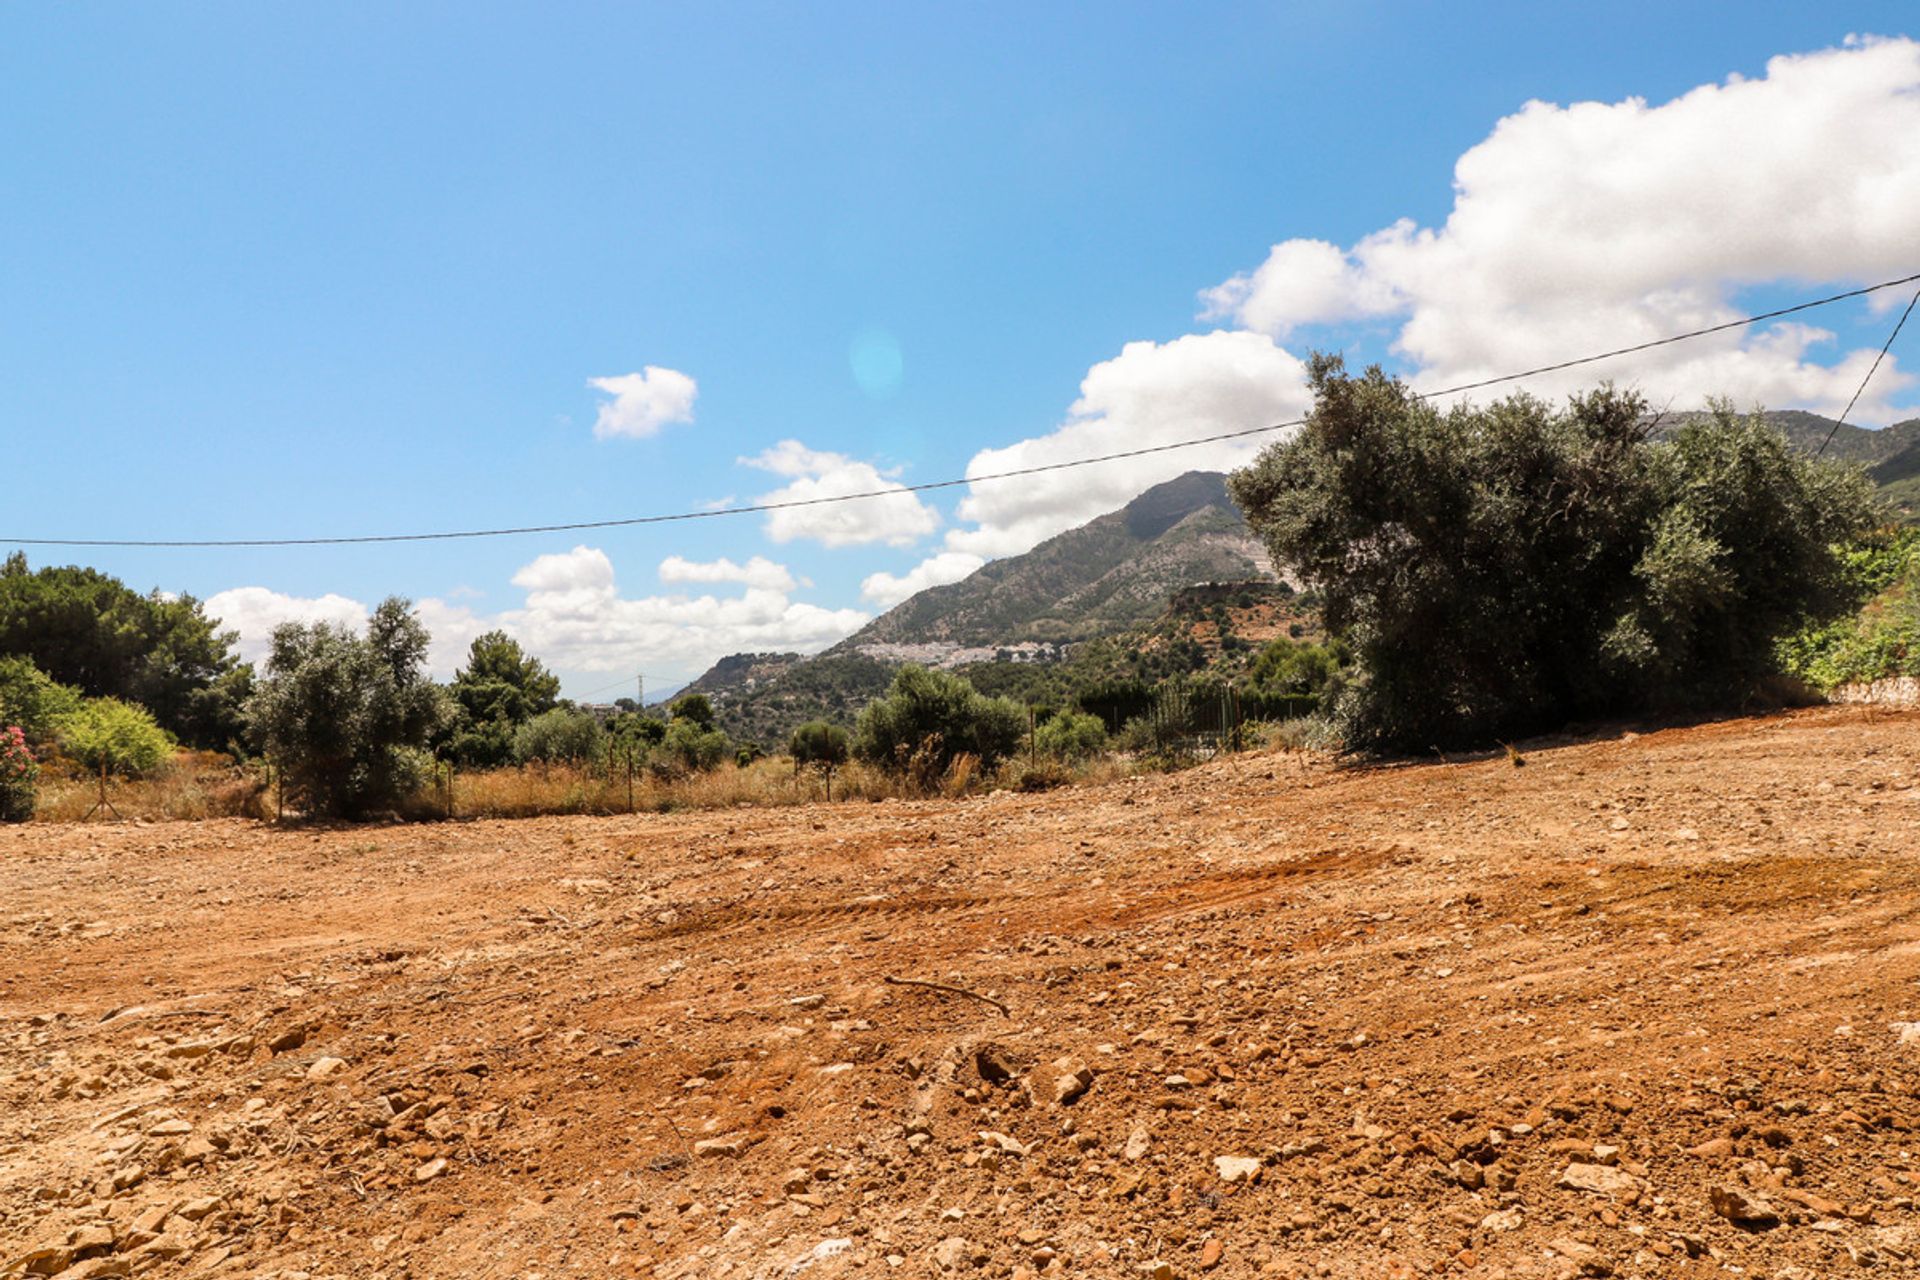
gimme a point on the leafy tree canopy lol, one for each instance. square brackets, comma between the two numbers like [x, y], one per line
[343, 713]
[500, 689]
[32, 702]
[562, 735]
[1504, 569]
[695, 707]
[929, 718]
[88, 629]
[106, 734]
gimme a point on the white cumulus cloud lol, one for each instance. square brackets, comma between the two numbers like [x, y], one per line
[575, 618]
[1152, 393]
[897, 519]
[643, 402]
[887, 589]
[1577, 229]
[758, 571]
[255, 611]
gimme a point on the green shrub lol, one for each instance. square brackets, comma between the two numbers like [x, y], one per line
[109, 735]
[690, 747]
[820, 746]
[339, 711]
[1881, 639]
[928, 719]
[1286, 670]
[819, 743]
[696, 707]
[1071, 736]
[33, 701]
[1502, 570]
[558, 736]
[19, 776]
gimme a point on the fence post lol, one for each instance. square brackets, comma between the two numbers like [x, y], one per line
[449, 790]
[629, 777]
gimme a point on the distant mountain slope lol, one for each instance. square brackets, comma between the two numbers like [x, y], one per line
[1109, 574]
[1808, 431]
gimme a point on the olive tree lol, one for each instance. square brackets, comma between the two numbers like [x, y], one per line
[346, 716]
[1504, 569]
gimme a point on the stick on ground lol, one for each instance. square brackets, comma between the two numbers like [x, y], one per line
[941, 986]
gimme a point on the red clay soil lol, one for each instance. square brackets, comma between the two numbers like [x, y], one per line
[1642, 1006]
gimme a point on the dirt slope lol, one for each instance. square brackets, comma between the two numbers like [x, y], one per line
[1449, 1018]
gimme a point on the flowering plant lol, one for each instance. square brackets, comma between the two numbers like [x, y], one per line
[19, 776]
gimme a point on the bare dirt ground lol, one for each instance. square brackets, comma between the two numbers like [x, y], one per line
[1644, 1006]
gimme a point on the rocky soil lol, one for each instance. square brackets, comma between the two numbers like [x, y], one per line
[1640, 1006]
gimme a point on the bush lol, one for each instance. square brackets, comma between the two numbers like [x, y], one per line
[338, 711]
[692, 748]
[19, 776]
[819, 743]
[33, 701]
[1502, 570]
[820, 746]
[1071, 736]
[109, 735]
[696, 707]
[929, 719]
[1882, 639]
[558, 736]
[1309, 673]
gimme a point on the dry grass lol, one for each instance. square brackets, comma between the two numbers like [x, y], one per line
[769, 783]
[204, 785]
[191, 785]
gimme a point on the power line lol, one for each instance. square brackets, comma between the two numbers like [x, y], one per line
[1871, 370]
[929, 485]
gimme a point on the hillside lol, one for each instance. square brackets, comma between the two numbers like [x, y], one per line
[1109, 574]
[1898, 474]
[1110, 577]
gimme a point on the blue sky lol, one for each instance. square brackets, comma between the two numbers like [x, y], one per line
[344, 269]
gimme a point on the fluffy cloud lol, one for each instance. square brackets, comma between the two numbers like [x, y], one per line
[255, 611]
[574, 617]
[887, 590]
[898, 519]
[1576, 229]
[1150, 394]
[756, 572]
[643, 402]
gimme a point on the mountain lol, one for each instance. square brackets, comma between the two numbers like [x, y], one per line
[1808, 431]
[1112, 573]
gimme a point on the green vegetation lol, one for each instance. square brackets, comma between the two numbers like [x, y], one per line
[19, 775]
[1506, 569]
[560, 736]
[346, 717]
[929, 719]
[1073, 736]
[106, 735]
[33, 701]
[691, 747]
[1879, 641]
[819, 745]
[499, 690]
[86, 629]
